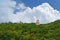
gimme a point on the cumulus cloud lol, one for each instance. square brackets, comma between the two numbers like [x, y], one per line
[5, 10]
[44, 12]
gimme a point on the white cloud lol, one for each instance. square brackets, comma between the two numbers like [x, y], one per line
[44, 12]
[6, 10]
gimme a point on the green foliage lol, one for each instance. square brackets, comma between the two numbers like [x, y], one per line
[17, 31]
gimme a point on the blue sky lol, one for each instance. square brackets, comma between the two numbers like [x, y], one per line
[32, 3]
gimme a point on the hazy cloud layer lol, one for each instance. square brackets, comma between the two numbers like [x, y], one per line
[44, 12]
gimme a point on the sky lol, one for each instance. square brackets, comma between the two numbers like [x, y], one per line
[32, 3]
[28, 11]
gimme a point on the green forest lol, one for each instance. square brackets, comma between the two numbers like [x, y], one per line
[30, 31]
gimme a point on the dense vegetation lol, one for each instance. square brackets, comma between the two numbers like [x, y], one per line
[17, 31]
